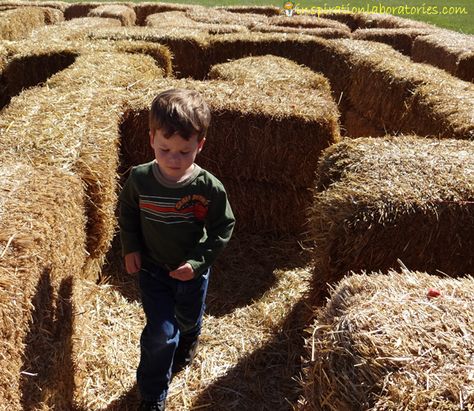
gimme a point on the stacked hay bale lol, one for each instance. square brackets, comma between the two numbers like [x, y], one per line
[75, 10]
[18, 23]
[266, 135]
[126, 15]
[384, 342]
[387, 21]
[395, 198]
[145, 9]
[453, 52]
[219, 16]
[400, 39]
[85, 140]
[42, 248]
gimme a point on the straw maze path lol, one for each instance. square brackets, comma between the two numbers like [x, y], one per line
[76, 86]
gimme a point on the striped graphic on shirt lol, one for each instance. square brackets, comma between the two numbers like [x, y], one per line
[170, 210]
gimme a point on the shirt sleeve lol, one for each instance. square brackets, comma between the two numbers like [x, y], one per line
[219, 226]
[129, 218]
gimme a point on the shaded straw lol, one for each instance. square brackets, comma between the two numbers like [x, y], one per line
[145, 9]
[380, 200]
[381, 343]
[354, 124]
[400, 39]
[125, 14]
[265, 10]
[82, 9]
[447, 50]
[328, 33]
[42, 246]
[18, 23]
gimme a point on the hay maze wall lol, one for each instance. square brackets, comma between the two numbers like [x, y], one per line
[289, 97]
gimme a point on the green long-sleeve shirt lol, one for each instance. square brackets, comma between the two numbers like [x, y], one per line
[174, 223]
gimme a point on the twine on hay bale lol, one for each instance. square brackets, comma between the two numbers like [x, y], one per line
[42, 247]
[381, 343]
[400, 39]
[447, 50]
[125, 14]
[271, 71]
[383, 199]
[19, 23]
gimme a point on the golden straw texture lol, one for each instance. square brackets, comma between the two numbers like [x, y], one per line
[382, 343]
[125, 14]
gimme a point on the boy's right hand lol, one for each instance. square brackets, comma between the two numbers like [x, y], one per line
[133, 262]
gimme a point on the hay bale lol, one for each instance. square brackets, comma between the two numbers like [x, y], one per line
[404, 97]
[125, 14]
[265, 10]
[447, 50]
[52, 15]
[220, 16]
[256, 134]
[59, 5]
[381, 343]
[271, 71]
[18, 23]
[145, 9]
[308, 22]
[349, 19]
[387, 21]
[383, 199]
[82, 9]
[42, 247]
[126, 69]
[93, 22]
[188, 46]
[400, 39]
[328, 33]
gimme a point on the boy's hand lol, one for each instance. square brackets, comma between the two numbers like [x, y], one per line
[184, 272]
[133, 262]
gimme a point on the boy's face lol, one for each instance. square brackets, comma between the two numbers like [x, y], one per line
[175, 155]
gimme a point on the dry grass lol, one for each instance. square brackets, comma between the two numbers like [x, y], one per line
[383, 199]
[382, 344]
[18, 23]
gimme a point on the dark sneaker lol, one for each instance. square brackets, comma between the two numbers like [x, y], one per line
[152, 406]
[184, 354]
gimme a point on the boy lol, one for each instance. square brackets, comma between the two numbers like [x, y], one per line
[174, 220]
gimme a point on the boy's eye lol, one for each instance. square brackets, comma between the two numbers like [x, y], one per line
[164, 150]
[184, 152]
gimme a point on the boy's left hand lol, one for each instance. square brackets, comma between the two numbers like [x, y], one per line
[184, 272]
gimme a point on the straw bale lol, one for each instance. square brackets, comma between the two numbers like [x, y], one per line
[173, 19]
[18, 23]
[349, 19]
[265, 10]
[328, 33]
[300, 21]
[75, 130]
[387, 21]
[42, 247]
[445, 49]
[144, 9]
[59, 5]
[400, 39]
[52, 15]
[125, 14]
[269, 70]
[381, 344]
[404, 97]
[354, 124]
[93, 22]
[82, 9]
[122, 70]
[255, 134]
[220, 16]
[250, 345]
[188, 46]
[389, 198]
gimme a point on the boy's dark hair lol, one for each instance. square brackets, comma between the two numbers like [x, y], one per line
[180, 111]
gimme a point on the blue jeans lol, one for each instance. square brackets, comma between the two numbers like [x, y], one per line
[173, 309]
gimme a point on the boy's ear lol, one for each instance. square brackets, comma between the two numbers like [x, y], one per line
[150, 133]
[201, 144]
